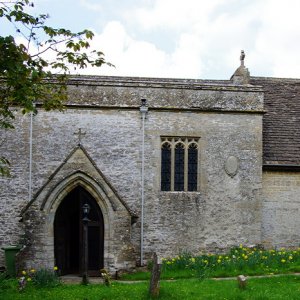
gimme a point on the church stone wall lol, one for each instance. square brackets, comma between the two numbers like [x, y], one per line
[225, 211]
[14, 190]
[112, 140]
[281, 209]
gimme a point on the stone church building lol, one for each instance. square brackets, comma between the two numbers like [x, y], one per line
[197, 165]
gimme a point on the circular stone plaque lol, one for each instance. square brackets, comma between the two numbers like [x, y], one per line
[231, 166]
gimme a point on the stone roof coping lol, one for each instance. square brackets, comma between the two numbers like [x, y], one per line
[88, 80]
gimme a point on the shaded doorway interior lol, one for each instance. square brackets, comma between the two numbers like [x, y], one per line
[68, 234]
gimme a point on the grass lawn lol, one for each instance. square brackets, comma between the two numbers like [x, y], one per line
[218, 273]
[191, 279]
[275, 288]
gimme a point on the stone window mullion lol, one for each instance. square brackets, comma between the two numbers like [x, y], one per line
[172, 164]
[186, 147]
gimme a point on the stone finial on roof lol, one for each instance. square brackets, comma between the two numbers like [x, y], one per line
[241, 75]
[242, 57]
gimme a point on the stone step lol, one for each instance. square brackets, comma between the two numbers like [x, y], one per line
[75, 279]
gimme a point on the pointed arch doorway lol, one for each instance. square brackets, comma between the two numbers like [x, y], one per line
[68, 234]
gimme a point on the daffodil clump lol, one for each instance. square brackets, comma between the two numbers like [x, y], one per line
[41, 277]
[241, 259]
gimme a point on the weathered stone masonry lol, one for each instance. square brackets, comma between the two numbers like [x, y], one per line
[225, 211]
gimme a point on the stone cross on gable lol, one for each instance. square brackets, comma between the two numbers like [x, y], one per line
[80, 134]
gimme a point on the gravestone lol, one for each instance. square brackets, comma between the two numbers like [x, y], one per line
[155, 276]
[242, 282]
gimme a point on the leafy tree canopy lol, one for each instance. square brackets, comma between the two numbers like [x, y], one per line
[35, 68]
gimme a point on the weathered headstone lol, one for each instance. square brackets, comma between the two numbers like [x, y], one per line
[242, 282]
[155, 276]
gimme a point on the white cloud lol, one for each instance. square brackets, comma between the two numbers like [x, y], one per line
[209, 34]
[208, 38]
[269, 32]
[278, 42]
[174, 14]
[91, 5]
[131, 57]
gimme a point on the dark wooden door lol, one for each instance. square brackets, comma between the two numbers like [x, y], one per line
[68, 239]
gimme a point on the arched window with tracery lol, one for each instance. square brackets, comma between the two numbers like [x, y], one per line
[179, 164]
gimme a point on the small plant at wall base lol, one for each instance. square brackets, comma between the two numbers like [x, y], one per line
[105, 275]
[42, 278]
[46, 278]
[6, 282]
[26, 277]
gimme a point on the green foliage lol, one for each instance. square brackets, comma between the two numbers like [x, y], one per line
[6, 283]
[276, 288]
[4, 166]
[45, 278]
[105, 275]
[239, 260]
[3, 277]
[27, 73]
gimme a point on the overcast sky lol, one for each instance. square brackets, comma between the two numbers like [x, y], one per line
[186, 39]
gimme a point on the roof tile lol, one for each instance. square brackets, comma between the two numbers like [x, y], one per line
[281, 123]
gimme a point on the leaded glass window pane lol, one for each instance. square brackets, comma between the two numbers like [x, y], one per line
[166, 167]
[179, 167]
[192, 167]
